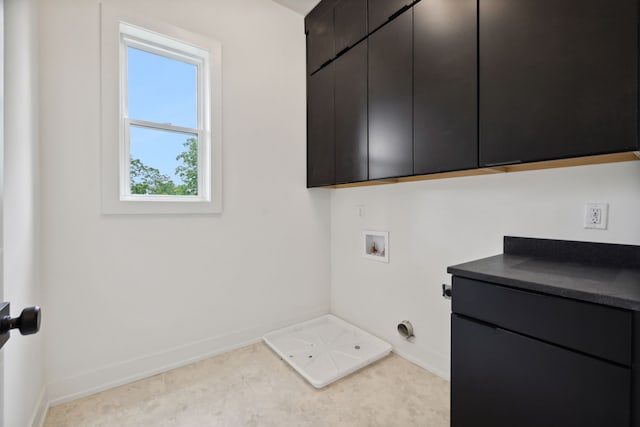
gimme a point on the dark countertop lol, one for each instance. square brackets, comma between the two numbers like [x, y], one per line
[607, 274]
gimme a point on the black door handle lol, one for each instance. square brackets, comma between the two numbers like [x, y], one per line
[27, 323]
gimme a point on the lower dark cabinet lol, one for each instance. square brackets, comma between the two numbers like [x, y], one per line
[547, 334]
[391, 99]
[351, 115]
[320, 128]
[503, 379]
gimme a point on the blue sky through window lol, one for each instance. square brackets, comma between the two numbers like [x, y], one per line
[161, 90]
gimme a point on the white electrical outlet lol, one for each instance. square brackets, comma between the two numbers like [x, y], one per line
[596, 215]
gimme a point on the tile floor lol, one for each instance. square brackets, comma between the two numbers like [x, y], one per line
[251, 386]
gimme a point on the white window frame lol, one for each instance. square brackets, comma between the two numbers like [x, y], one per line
[141, 39]
[119, 32]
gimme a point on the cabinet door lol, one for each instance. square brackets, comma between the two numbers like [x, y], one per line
[320, 128]
[350, 23]
[499, 378]
[351, 115]
[380, 11]
[557, 79]
[598, 330]
[445, 112]
[391, 99]
[320, 37]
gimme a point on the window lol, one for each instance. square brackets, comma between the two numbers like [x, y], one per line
[164, 137]
[167, 135]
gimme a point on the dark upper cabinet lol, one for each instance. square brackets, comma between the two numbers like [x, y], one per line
[391, 99]
[557, 79]
[380, 11]
[320, 128]
[320, 36]
[351, 115]
[445, 111]
[332, 27]
[460, 84]
[350, 23]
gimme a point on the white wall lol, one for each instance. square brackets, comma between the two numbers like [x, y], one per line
[24, 356]
[434, 224]
[129, 295]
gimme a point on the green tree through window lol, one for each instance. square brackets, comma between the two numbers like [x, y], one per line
[188, 170]
[148, 180]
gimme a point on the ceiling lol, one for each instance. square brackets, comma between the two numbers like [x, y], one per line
[301, 6]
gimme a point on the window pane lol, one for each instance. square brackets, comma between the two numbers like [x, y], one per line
[161, 89]
[163, 162]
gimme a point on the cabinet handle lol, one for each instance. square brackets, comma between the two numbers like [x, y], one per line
[510, 162]
[399, 12]
[343, 51]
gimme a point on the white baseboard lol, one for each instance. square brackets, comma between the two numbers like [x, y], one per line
[436, 364]
[40, 411]
[117, 374]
